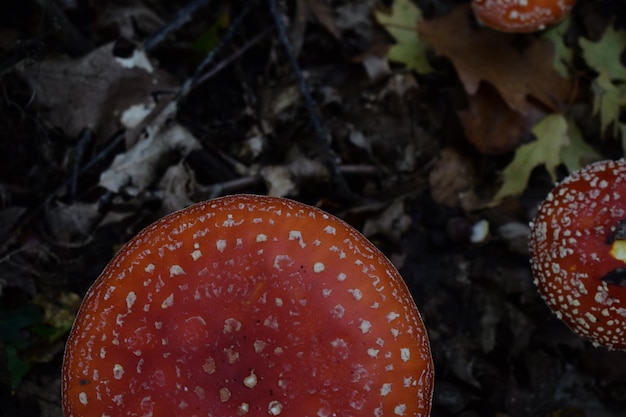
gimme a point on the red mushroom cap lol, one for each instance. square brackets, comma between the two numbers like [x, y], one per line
[521, 15]
[578, 252]
[248, 305]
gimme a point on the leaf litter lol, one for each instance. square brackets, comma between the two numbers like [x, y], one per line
[440, 128]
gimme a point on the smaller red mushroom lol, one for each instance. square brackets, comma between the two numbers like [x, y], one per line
[521, 15]
[248, 305]
[578, 252]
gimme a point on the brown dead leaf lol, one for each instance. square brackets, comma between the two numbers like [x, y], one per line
[392, 223]
[127, 20]
[71, 224]
[95, 90]
[493, 127]
[278, 180]
[278, 102]
[482, 54]
[354, 16]
[324, 15]
[176, 187]
[134, 170]
[451, 176]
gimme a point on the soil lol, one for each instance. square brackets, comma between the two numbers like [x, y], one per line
[381, 146]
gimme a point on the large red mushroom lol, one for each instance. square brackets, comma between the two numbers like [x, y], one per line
[248, 305]
[578, 252]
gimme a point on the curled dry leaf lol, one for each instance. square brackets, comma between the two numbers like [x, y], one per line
[278, 102]
[451, 176]
[71, 223]
[136, 169]
[176, 187]
[286, 180]
[354, 16]
[278, 181]
[391, 223]
[126, 21]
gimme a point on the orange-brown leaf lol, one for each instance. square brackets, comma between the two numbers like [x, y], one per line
[519, 73]
[493, 127]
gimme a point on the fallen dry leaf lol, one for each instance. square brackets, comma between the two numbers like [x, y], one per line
[126, 21]
[71, 223]
[136, 169]
[451, 176]
[278, 180]
[484, 55]
[176, 186]
[492, 126]
[324, 15]
[391, 223]
[93, 91]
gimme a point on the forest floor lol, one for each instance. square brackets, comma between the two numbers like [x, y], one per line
[434, 136]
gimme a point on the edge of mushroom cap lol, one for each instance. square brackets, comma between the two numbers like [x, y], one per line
[497, 14]
[539, 234]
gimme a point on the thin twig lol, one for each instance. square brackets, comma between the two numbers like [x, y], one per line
[232, 29]
[234, 56]
[318, 127]
[164, 108]
[182, 17]
[85, 138]
[160, 109]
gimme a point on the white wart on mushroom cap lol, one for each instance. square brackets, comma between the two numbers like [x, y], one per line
[578, 252]
[248, 305]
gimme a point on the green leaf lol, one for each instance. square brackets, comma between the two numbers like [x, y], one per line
[622, 133]
[402, 24]
[609, 87]
[609, 98]
[551, 134]
[563, 55]
[578, 153]
[209, 39]
[12, 322]
[16, 366]
[604, 56]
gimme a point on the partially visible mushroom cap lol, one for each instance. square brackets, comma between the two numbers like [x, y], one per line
[578, 252]
[248, 305]
[521, 15]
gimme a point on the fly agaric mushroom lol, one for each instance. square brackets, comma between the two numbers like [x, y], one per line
[578, 252]
[521, 15]
[248, 305]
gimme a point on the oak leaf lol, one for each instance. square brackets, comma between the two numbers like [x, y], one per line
[558, 141]
[609, 87]
[604, 55]
[519, 72]
[563, 54]
[552, 136]
[402, 24]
